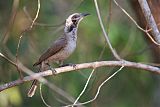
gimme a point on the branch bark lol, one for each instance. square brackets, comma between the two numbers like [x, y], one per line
[81, 66]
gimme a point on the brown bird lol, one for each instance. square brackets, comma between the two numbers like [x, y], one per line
[61, 48]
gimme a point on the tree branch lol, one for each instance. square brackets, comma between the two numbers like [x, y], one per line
[81, 66]
[104, 32]
[138, 26]
[150, 19]
[26, 70]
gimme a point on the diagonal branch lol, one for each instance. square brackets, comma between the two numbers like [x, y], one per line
[138, 26]
[150, 19]
[10, 61]
[81, 66]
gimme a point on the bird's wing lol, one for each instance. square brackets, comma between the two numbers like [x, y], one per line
[55, 47]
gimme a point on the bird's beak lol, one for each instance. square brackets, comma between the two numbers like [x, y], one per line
[84, 14]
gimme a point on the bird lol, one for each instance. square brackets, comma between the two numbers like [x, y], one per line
[60, 49]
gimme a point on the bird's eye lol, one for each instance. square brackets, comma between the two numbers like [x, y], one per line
[74, 21]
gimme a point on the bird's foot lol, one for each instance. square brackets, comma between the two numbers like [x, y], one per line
[54, 72]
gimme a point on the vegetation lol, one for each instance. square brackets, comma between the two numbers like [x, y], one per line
[130, 88]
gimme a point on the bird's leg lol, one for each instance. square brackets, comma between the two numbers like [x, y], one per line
[61, 63]
[51, 68]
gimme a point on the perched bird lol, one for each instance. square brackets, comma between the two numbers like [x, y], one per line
[61, 48]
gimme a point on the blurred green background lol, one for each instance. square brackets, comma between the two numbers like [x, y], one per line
[130, 88]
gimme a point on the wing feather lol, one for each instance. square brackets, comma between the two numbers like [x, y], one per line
[54, 48]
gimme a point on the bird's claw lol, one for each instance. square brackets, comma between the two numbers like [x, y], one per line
[54, 72]
[73, 65]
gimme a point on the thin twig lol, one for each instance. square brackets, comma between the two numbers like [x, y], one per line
[104, 32]
[21, 35]
[151, 28]
[99, 88]
[40, 88]
[84, 88]
[19, 41]
[37, 23]
[37, 13]
[138, 26]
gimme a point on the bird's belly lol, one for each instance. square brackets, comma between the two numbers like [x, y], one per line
[64, 53]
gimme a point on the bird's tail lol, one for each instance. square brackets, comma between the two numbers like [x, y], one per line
[33, 88]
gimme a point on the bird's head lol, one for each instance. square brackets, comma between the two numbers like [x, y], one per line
[73, 20]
